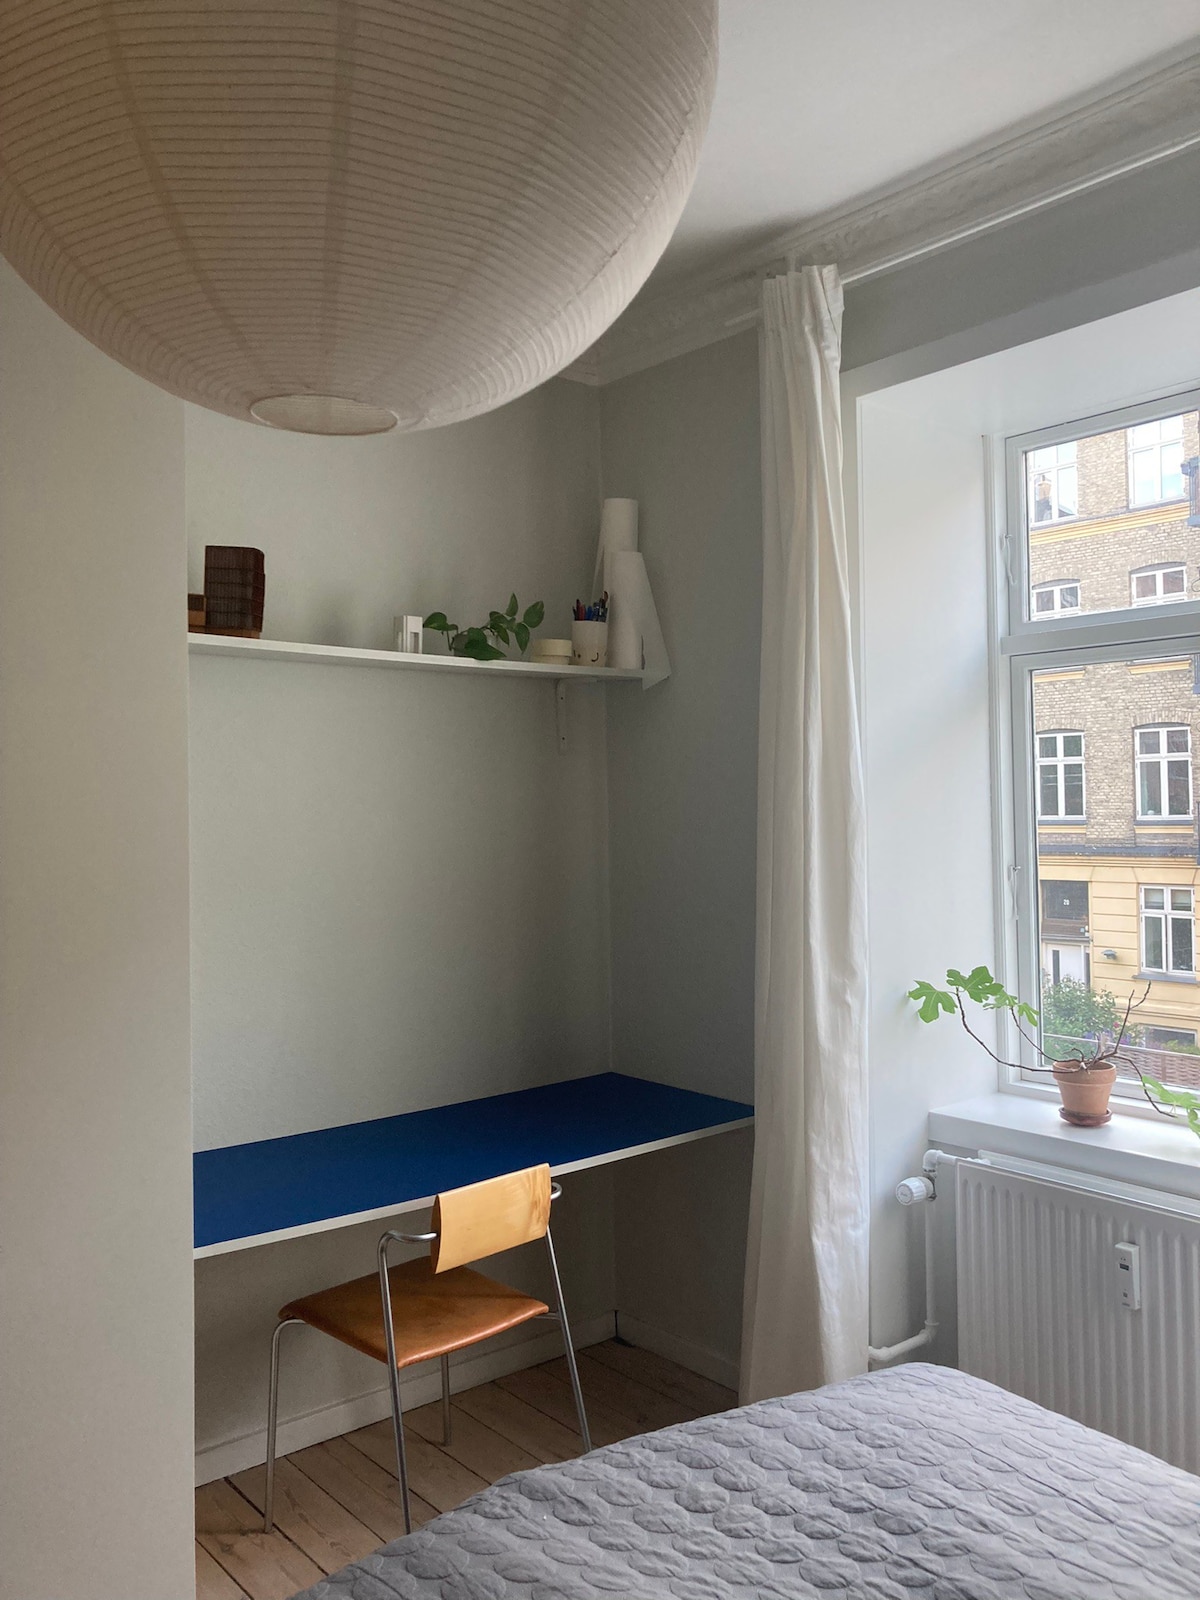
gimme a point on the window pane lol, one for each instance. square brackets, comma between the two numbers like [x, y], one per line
[1179, 788]
[1049, 796]
[1173, 580]
[1073, 789]
[1078, 496]
[1116, 890]
[1150, 789]
[1070, 597]
[1181, 944]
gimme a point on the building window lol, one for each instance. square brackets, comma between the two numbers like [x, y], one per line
[1167, 943]
[1053, 478]
[1056, 599]
[1152, 585]
[1163, 758]
[1182, 1039]
[1156, 461]
[1060, 776]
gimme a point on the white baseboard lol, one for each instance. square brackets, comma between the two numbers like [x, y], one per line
[327, 1422]
[695, 1357]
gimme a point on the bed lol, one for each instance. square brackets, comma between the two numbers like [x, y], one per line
[916, 1484]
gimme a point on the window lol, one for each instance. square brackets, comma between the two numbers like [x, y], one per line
[1100, 522]
[1100, 831]
[1053, 483]
[1163, 757]
[1156, 461]
[1153, 585]
[1060, 775]
[1181, 1039]
[1167, 916]
[1053, 599]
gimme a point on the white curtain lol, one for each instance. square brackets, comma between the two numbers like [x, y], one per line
[806, 1273]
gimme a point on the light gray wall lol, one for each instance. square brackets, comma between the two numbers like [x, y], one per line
[400, 883]
[683, 440]
[95, 1181]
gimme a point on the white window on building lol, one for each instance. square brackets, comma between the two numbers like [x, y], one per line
[1156, 461]
[1163, 757]
[1167, 921]
[1060, 776]
[1152, 585]
[1053, 479]
[1056, 599]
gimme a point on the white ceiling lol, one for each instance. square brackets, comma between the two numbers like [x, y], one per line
[818, 103]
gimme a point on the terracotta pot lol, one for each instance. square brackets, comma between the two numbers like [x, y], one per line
[1084, 1093]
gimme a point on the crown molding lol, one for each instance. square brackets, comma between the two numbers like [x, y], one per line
[1136, 121]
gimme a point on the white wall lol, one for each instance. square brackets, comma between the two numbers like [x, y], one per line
[95, 1181]
[400, 883]
[928, 801]
[683, 440]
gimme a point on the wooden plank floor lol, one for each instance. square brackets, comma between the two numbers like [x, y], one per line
[336, 1501]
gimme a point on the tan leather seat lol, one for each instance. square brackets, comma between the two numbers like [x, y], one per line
[434, 1313]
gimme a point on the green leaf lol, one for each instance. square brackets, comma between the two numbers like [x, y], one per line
[481, 650]
[522, 633]
[1188, 1099]
[501, 632]
[931, 1002]
[535, 613]
[437, 619]
[512, 606]
[1027, 1013]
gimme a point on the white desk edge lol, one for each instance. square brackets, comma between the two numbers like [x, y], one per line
[302, 1230]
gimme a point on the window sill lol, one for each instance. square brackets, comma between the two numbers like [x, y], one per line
[1154, 1154]
[1167, 977]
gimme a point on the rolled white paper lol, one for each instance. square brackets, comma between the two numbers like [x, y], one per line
[618, 531]
[635, 636]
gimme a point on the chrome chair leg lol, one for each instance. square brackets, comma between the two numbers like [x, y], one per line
[272, 1424]
[445, 1399]
[572, 1367]
[389, 1332]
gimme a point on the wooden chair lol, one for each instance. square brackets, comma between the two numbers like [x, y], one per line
[436, 1304]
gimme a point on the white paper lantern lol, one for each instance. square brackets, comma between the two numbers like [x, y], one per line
[340, 215]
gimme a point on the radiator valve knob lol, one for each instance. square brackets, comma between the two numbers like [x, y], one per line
[912, 1191]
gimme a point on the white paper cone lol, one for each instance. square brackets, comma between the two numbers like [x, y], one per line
[618, 531]
[635, 636]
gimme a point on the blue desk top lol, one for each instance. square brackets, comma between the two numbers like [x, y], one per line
[248, 1193]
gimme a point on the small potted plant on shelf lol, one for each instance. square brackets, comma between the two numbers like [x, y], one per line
[481, 644]
[1084, 1070]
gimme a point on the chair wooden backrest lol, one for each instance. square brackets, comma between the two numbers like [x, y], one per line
[482, 1219]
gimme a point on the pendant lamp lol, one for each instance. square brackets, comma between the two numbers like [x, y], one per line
[343, 216]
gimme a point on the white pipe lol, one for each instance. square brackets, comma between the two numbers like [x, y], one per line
[879, 1354]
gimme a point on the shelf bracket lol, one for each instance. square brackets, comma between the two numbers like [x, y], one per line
[560, 713]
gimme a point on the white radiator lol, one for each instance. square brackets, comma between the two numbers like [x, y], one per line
[1053, 1306]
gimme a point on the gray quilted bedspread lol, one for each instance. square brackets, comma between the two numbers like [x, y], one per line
[915, 1484]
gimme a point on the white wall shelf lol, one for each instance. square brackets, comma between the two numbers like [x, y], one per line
[215, 644]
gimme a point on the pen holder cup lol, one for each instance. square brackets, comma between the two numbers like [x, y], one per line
[589, 644]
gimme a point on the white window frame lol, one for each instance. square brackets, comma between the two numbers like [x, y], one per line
[1161, 758]
[1158, 598]
[1060, 762]
[1058, 609]
[1154, 449]
[1020, 646]
[1166, 915]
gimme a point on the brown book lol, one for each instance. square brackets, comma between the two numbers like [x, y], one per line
[234, 590]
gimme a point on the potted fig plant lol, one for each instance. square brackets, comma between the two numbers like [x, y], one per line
[1085, 1073]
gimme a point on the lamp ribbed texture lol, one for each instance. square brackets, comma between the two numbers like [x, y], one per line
[424, 209]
